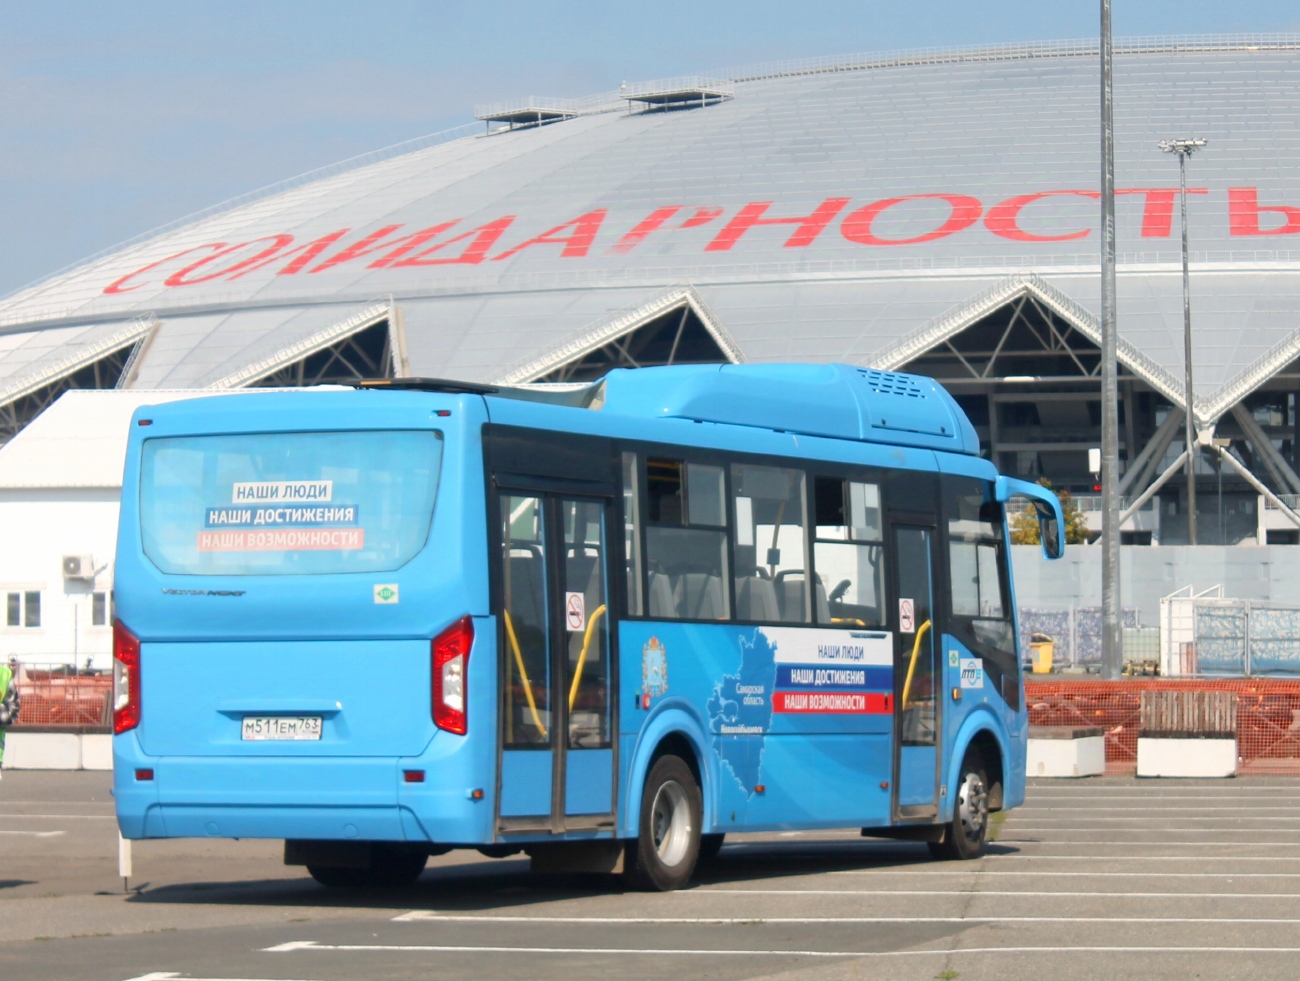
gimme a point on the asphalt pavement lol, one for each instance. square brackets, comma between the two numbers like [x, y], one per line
[1099, 878]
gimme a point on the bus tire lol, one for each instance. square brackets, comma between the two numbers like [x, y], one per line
[394, 865]
[663, 855]
[966, 835]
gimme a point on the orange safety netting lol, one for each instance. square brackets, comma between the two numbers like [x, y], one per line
[1268, 715]
[59, 700]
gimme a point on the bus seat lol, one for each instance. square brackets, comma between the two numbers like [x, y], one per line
[661, 603]
[790, 585]
[819, 600]
[756, 599]
[580, 569]
[699, 596]
[526, 589]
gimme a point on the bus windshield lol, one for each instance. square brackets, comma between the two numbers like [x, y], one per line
[287, 503]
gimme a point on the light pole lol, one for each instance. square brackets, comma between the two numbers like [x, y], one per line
[1184, 149]
[1112, 637]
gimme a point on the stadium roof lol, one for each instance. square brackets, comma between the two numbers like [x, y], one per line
[861, 210]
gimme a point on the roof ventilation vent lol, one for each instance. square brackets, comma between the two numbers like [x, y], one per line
[532, 111]
[891, 383]
[679, 93]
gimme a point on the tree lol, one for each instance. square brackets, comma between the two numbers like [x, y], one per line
[1024, 524]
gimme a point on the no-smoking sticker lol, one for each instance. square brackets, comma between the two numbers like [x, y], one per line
[906, 616]
[575, 611]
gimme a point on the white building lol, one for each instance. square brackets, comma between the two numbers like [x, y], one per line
[60, 483]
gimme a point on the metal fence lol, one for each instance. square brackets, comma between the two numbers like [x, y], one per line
[1075, 634]
[1267, 723]
[1207, 635]
[61, 698]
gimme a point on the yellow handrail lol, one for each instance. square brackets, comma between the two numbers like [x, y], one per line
[582, 658]
[523, 673]
[911, 667]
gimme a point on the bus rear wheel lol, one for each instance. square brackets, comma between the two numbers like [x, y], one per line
[966, 835]
[391, 866]
[663, 855]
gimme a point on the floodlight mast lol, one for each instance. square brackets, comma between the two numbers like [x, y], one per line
[1112, 654]
[1184, 149]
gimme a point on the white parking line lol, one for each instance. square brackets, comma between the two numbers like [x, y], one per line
[427, 916]
[999, 859]
[1075, 894]
[1139, 845]
[57, 803]
[1020, 829]
[1159, 810]
[35, 834]
[294, 946]
[59, 817]
[1263, 817]
[982, 873]
[175, 976]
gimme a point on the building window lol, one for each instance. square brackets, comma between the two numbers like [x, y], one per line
[99, 609]
[23, 609]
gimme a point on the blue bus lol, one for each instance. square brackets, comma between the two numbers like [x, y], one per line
[605, 624]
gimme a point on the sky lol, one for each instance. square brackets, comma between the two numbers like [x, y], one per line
[117, 117]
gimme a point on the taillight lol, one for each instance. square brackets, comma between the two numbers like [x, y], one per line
[126, 678]
[450, 668]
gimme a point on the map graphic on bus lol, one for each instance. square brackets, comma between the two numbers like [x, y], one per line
[795, 671]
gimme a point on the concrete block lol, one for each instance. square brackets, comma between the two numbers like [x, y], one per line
[1062, 751]
[42, 751]
[97, 751]
[1174, 757]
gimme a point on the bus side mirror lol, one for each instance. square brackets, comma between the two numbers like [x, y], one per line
[1051, 520]
[1049, 530]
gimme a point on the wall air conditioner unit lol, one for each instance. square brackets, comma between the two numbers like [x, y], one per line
[78, 567]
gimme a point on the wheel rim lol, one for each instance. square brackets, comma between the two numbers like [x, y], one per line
[973, 807]
[670, 823]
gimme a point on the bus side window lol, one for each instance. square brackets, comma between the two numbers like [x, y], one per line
[772, 581]
[524, 613]
[849, 551]
[977, 559]
[632, 535]
[686, 541]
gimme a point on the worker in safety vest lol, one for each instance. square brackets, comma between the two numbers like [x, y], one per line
[8, 700]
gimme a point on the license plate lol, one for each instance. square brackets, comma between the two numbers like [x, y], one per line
[292, 728]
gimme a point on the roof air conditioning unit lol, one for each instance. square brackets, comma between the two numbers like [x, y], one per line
[78, 567]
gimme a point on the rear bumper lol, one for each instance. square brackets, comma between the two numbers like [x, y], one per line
[332, 798]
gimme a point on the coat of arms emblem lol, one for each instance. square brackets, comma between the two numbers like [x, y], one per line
[654, 668]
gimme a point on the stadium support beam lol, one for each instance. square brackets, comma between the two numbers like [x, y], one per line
[1156, 484]
[1258, 484]
[1141, 469]
[1277, 466]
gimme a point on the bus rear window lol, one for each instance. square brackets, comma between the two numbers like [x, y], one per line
[287, 503]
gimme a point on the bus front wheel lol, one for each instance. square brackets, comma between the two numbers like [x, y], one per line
[965, 836]
[664, 853]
